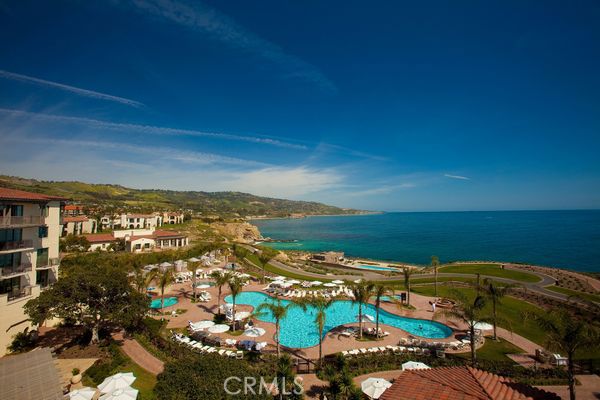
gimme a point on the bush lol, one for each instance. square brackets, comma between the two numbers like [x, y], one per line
[104, 368]
[22, 341]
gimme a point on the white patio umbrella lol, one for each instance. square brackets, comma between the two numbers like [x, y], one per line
[165, 264]
[220, 328]
[204, 324]
[117, 381]
[483, 326]
[294, 282]
[358, 281]
[338, 282]
[241, 315]
[414, 365]
[330, 284]
[203, 286]
[194, 259]
[254, 332]
[316, 283]
[126, 393]
[374, 387]
[85, 393]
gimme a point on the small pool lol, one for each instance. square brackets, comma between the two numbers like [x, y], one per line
[298, 329]
[376, 268]
[169, 301]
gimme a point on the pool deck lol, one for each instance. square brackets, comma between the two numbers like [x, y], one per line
[333, 342]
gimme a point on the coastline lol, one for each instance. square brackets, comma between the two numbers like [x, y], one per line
[316, 215]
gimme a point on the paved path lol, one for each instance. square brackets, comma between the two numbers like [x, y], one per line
[139, 355]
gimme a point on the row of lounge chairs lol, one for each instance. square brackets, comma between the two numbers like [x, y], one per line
[298, 293]
[199, 347]
[455, 345]
[387, 349]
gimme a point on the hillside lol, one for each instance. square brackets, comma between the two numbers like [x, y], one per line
[219, 203]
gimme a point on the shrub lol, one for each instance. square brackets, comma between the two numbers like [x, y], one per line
[22, 341]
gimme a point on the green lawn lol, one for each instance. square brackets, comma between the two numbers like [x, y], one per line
[144, 382]
[511, 310]
[491, 270]
[494, 351]
[569, 292]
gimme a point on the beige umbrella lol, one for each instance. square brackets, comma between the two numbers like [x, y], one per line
[374, 387]
[126, 393]
[117, 381]
[85, 393]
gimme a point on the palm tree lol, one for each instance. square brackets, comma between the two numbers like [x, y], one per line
[193, 268]
[264, 260]
[285, 375]
[435, 262]
[221, 280]
[407, 272]
[279, 311]
[362, 292]
[567, 334]
[495, 293]
[236, 285]
[320, 304]
[165, 278]
[469, 312]
[379, 290]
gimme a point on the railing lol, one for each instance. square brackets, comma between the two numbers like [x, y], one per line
[17, 294]
[47, 263]
[17, 269]
[15, 245]
[11, 220]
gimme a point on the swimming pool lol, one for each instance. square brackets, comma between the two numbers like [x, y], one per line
[169, 301]
[375, 268]
[298, 329]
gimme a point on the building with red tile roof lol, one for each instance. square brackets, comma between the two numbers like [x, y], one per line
[21, 195]
[138, 240]
[79, 225]
[460, 383]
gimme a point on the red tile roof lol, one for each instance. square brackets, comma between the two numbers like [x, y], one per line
[70, 207]
[21, 195]
[460, 383]
[100, 237]
[167, 234]
[80, 218]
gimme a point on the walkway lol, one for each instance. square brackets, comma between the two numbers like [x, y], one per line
[138, 354]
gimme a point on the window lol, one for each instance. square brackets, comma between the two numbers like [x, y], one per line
[16, 211]
[9, 260]
[42, 257]
[147, 245]
[10, 285]
[138, 246]
[42, 278]
[11, 235]
[42, 232]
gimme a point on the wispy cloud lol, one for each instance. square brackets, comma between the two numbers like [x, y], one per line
[82, 92]
[149, 129]
[464, 178]
[200, 17]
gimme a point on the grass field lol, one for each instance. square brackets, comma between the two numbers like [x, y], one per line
[494, 351]
[490, 270]
[569, 292]
[144, 382]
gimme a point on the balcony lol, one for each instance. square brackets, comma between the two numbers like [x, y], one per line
[11, 221]
[9, 272]
[17, 294]
[16, 245]
[47, 263]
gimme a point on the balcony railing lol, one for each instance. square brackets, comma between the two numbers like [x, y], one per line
[16, 245]
[47, 263]
[11, 220]
[17, 294]
[14, 270]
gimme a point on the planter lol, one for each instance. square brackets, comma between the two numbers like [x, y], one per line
[76, 379]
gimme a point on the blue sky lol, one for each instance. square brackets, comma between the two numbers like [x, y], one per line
[376, 105]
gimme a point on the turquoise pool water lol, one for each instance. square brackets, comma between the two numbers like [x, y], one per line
[169, 301]
[298, 329]
[376, 268]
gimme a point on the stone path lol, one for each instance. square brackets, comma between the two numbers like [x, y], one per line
[589, 388]
[138, 354]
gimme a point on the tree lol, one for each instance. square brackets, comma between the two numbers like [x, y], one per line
[221, 279]
[286, 378]
[494, 293]
[279, 311]
[380, 290]
[567, 333]
[236, 285]
[74, 243]
[164, 277]
[435, 263]
[407, 272]
[264, 260]
[193, 268]
[119, 244]
[362, 292]
[320, 304]
[95, 297]
[469, 312]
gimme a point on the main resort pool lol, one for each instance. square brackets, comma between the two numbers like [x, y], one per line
[298, 329]
[169, 301]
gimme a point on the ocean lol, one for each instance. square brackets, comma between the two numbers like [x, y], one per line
[565, 239]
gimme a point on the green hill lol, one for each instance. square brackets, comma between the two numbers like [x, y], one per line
[219, 203]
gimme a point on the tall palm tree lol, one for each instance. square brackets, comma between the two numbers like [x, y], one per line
[285, 375]
[279, 311]
[407, 272]
[221, 279]
[567, 333]
[469, 312]
[165, 278]
[193, 268]
[320, 304]
[494, 292]
[264, 260]
[362, 292]
[435, 263]
[379, 290]
[236, 285]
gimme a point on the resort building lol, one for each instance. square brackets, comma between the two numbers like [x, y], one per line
[172, 218]
[78, 225]
[30, 228]
[73, 210]
[138, 240]
[132, 221]
[330, 257]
